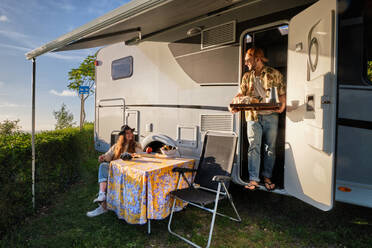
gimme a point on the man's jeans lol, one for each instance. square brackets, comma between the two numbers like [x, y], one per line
[103, 172]
[262, 131]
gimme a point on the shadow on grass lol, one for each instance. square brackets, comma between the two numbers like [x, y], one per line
[268, 220]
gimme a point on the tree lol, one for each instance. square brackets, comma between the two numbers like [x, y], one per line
[84, 75]
[369, 71]
[64, 118]
[8, 127]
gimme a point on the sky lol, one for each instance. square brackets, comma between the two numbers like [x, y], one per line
[26, 25]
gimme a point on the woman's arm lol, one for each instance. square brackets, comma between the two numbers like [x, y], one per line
[138, 148]
[107, 157]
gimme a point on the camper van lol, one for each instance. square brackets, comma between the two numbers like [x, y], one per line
[171, 68]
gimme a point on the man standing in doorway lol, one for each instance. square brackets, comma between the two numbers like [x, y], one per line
[262, 126]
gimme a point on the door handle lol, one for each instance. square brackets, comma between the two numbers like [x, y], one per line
[325, 100]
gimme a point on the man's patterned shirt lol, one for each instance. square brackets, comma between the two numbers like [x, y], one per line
[270, 77]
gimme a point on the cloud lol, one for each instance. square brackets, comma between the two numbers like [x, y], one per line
[23, 49]
[3, 18]
[64, 5]
[10, 105]
[8, 117]
[52, 55]
[13, 35]
[20, 38]
[63, 93]
[1, 84]
[65, 57]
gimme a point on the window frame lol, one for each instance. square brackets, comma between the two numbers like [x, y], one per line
[131, 68]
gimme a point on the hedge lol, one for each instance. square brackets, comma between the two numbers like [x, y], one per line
[58, 157]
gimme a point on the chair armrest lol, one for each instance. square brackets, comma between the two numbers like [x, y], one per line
[221, 178]
[182, 170]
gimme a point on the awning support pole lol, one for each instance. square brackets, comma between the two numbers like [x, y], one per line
[33, 130]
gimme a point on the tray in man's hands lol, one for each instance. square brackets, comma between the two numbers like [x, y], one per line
[255, 106]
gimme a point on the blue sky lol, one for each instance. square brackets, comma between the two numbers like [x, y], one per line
[28, 24]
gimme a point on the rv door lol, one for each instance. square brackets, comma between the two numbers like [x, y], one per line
[311, 105]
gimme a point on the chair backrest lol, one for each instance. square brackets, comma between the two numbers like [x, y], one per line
[217, 158]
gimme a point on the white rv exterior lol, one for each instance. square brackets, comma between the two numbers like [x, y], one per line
[170, 68]
[165, 103]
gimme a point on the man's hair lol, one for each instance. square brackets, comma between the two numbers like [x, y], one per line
[257, 52]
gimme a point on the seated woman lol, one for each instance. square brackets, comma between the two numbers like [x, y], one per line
[125, 143]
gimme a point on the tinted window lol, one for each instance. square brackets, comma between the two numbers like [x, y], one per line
[122, 68]
[368, 40]
[351, 43]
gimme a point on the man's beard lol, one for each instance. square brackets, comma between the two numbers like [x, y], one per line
[253, 67]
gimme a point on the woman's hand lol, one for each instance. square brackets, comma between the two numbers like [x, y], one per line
[101, 158]
[135, 155]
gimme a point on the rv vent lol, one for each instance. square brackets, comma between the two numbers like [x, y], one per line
[218, 35]
[216, 123]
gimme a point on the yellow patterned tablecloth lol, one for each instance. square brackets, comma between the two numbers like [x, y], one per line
[138, 189]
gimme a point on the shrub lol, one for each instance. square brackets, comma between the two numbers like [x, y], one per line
[58, 157]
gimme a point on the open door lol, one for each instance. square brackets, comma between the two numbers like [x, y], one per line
[311, 105]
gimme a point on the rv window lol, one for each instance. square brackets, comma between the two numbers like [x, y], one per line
[368, 40]
[122, 68]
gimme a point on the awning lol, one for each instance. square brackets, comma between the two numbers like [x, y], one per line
[161, 20]
[149, 17]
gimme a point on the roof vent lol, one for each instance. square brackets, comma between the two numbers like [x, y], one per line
[218, 35]
[219, 122]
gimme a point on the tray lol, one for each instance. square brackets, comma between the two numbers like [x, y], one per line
[153, 155]
[255, 106]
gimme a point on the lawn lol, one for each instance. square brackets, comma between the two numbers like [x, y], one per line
[268, 220]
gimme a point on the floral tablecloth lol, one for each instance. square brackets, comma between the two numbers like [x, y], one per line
[138, 189]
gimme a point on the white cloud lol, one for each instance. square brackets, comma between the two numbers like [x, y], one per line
[8, 117]
[50, 54]
[20, 38]
[13, 35]
[3, 18]
[64, 5]
[63, 93]
[9, 105]
[65, 57]
[24, 49]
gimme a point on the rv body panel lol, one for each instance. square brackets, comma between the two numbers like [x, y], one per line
[161, 95]
[354, 123]
[354, 168]
[354, 144]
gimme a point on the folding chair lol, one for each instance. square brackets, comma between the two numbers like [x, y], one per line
[214, 171]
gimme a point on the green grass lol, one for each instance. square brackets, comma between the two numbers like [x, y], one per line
[268, 220]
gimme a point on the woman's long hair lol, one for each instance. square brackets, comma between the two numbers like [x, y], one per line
[120, 146]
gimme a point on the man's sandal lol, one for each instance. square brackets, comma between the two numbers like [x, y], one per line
[268, 185]
[251, 186]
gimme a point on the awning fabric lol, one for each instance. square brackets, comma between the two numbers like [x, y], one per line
[148, 17]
